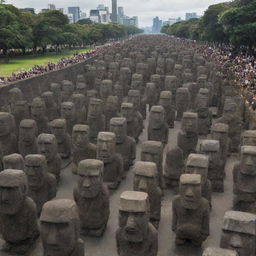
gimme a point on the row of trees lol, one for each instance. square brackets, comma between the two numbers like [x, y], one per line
[230, 22]
[22, 30]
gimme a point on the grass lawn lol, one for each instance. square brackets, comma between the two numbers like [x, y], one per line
[23, 63]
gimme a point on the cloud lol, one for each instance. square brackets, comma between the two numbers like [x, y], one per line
[146, 10]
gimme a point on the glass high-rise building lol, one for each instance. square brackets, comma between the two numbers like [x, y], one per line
[114, 11]
[76, 13]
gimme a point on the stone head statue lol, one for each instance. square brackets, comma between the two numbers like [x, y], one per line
[21, 109]
[152, 151]
[127, 111]
[105, 89]
[36, 170]
[137, 81]
[238, 232]
[134, 98]
[151, 90]
[14, 94]
[80, 136]
[201, 80]
[91, 94]
[211, 148]
[79, 101]
[13, 190]
[229, 109]
[67, 89]
[80, 78]
[90, 172]
[118, 126]
[219, 131]
[170, 83]
[5, 124]
[156, 117]
[28, 131]
[182, 95]
[112, 105]
[13, 161]
[213, 251]
[47, 146]
[198, 164]
[106, 146]
[60, 227]
[134, 216]
[189, 122]
[48, 98]
[81, 88]
[59, 129]
[190, 190]
[248, 138]
[95, 108]
[248, 160]
[38, 109]
[146, 177]
[118, 91]
[156, 79]
[165, 98]
[68, 110]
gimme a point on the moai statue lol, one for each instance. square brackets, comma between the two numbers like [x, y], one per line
[90, 76]
[92, 198]
[55, 88]
[212, 251]
[136, 235]
[113, 162]
[101, 70]
[244, 178]
[48, 146]
[234, 122]
[142, 69]
[20, 112]
[152, 151]
[60, 228]
[248, 138]
[239, 232]
[67, 89]
[27, 137]
[170, 84]
[79, 101]
[174, 167]
[158, 129]
[133, 126]
[51, 106]
[169, 66]
[187, 77]
[42, 186]
[188, 136]
[80, 78]
[165, 101]
[15, 94]
[182, 102]
[178, 73]
[125, 78]
[59, 130]
[201, 81]
[134, 98]
[118, 91]
[18, 217]
[81, 88]
[111, 110]
[38, 113]
[151, 94]
[216, 170]
[105, 90]
[156, 79]
[199, 164]
[113, 71]
[191, 214]
[81, 147]
[13, 161]
[146, 180]
[8, 139]
[68, 112]
[125, 145]
[89, 95]
[95, 119]
[219, 131]
[137, 83]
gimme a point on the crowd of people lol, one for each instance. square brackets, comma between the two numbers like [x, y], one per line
[64, 62]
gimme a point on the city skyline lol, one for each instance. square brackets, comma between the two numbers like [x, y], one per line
[146, 10]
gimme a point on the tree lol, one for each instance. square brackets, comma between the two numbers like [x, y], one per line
[84, 21]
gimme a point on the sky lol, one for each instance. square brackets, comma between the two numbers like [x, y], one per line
[146, 10]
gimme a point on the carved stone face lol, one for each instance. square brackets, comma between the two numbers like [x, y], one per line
[189, 124]
[118, 91]
[59, 131]
[165, 98]
[150, 90]
[13, 161]
[105, 89]
[112, 104]
[243, 244]
[148, 156]
[191, 194]
[27, 132]
[38, 109]
[48, 99]
[81, 88]
[106, 146]
[5, 125]
[119, 128]
[13, 190]
[80, 136]
[211, 148]
[15, 94]
[47, 146]
[67, 87]
[95, 109]
[35, 169]
[68, 110]
[182, 95]
[127, 111]
[78, 100]
[156, 117]
[137, 81]
[90, 178]
[249, 138]
[248, 163]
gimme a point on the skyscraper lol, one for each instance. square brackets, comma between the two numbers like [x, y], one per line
[114, 11]
[191, 15]
[76, 13]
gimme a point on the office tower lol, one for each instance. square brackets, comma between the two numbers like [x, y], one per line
[191, 15]
[114, 11]
[76, 13]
